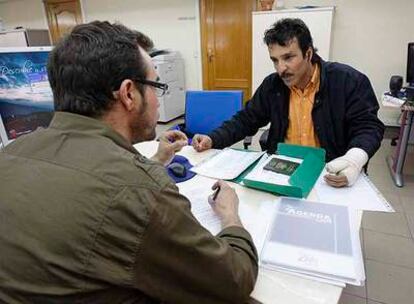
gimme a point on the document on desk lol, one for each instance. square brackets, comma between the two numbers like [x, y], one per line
[197, 191]
[227, 164]
[255, 220]
[280, 163]
[314, 239]
[363, 195]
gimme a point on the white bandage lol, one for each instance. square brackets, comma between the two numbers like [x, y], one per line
[349, 165]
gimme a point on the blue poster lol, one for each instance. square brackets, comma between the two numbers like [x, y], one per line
[26, 99]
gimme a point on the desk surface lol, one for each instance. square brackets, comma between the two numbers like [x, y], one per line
[271, 286]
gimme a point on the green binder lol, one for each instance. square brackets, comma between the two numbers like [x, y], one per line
[301, 181]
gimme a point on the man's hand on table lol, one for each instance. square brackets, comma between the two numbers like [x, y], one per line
[170, 143]
[202, 142]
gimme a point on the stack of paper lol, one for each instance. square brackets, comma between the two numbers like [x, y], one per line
[316, 240]
[363, 195]
[227, 164]
[390, 101]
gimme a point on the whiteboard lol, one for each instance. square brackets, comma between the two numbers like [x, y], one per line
[318, 20]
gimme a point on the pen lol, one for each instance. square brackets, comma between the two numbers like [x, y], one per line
[216, 193]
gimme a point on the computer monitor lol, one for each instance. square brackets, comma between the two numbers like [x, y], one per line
[410, 65]
[26, 99]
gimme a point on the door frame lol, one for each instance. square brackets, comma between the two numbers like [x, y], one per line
[204, 43]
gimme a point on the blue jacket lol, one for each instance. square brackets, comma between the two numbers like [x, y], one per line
[344, 113]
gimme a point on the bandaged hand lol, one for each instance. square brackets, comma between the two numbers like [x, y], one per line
[344, 171]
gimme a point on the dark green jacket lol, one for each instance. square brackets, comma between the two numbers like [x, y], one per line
[84, 218]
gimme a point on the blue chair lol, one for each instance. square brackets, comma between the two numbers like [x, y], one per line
[207, 110]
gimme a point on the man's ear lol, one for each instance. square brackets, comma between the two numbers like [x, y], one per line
[309, 54]
[128, 95]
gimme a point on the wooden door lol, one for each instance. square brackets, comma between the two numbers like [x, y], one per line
[226, 44]
[62, 16]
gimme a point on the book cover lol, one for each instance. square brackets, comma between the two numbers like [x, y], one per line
[281, 166]
[313, 238]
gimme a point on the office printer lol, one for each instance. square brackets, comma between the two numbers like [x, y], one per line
[170, 68]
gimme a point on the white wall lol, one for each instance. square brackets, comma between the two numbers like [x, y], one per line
[372, 36]
[171, 24]
[26, 13]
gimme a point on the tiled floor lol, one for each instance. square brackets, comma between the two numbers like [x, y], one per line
[388, 243]
[387, 238]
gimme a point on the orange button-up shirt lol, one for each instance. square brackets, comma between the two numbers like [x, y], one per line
[300, 130]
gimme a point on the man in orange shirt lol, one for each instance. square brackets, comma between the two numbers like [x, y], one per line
[310, 102]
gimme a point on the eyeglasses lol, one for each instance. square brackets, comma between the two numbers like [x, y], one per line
[160, 88]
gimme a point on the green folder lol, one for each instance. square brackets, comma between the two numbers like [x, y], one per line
[301, 181]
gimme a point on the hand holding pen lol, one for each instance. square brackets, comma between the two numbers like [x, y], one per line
[212, 197]
[225, 204]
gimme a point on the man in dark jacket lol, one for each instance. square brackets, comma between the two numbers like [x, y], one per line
[85, 218]
[308, 102]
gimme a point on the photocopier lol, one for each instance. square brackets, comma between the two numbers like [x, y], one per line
[170, 68]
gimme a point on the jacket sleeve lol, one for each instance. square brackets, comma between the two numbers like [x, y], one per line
[246, 122]
[364, 129]
[179, 261]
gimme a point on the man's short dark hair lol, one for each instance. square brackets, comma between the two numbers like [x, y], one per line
[90, 63]
[284, 30]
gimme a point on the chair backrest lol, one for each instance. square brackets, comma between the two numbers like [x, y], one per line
[207, 110]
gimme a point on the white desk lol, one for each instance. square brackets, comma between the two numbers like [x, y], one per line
[271, 286]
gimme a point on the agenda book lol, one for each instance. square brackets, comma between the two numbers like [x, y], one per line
[314, 239]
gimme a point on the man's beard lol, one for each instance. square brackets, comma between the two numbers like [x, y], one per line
[141, 130]
[286, 77]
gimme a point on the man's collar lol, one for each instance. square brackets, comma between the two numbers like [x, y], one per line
[88, 125]
[314, 80]
[315, 76]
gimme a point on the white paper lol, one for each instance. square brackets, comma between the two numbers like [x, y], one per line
[257, 222]
[315, 278]
[254, 220]
[319, 278]
[363, 195]
[260, 175]
[390, 101]
[197, 191]
[226, 164]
